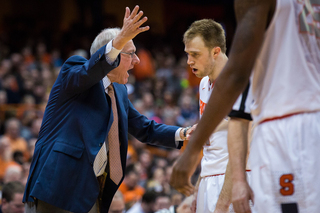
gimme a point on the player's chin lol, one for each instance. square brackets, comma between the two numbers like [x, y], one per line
[199, 75]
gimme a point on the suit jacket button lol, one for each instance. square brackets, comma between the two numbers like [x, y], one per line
[91, 163]
[100, 144]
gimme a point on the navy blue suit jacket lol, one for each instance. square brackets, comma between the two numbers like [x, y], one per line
[76, 122]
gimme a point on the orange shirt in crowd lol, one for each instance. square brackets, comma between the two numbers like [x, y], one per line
[19, 144]
[4, 165]
[145, 69]
[133, 195]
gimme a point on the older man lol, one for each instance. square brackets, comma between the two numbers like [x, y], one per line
[80, 156]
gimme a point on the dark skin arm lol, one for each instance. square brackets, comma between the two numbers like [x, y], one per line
[253, 17]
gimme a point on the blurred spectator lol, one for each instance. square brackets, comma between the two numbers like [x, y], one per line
[31, 146]
[6, 156]
[189, 111]
[13, 173]
[146, 67]
[3, 97]
[140, 107]
[56, 58]
[5, 67]
[157, 181]
[147, 204]
[147, 99]
[162, 202]
[165, 66]
[80, 52]
[12, 134]
[130, 189]
[27, 55]
[130, 90]
[35, 127]
[145, 161]
[176, 198]
[117, 203]
[12, 194]
[18, 157]
[25, 172]
[11, 86]
[39, 92]
[42, 56]
[184, 207]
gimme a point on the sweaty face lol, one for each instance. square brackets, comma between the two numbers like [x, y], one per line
[120, 74]
[199, 57]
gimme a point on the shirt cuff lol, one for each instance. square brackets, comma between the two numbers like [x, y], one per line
[111, 53]
[177, 136]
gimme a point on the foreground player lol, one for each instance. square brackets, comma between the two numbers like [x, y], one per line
[279, 40]
[205, 46]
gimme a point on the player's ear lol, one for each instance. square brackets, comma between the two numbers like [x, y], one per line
[215, 51]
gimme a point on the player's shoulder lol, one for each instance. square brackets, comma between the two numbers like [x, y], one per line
[204, 81]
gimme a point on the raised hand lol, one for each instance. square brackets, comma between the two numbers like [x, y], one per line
[131, 27]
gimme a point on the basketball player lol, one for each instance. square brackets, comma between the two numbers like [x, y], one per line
[206, 49]
[279, 41]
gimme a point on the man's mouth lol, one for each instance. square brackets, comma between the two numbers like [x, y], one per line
[194, 70]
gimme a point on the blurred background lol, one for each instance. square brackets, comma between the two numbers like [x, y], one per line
[37, 36]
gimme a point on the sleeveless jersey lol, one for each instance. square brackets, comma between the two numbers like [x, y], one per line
[215, 151]
[286, 74]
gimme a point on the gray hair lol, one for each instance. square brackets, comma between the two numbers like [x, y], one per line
[103, 38]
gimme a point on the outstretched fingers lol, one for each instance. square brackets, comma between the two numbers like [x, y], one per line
[134, 12]
[127, 14]
[139, 23]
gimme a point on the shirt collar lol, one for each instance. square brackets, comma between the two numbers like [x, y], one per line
[106, 82]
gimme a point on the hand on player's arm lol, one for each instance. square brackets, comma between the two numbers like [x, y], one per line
[131, 27]
[185, 133]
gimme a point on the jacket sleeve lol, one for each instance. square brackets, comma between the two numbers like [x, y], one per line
[79, 74]
[149, 131]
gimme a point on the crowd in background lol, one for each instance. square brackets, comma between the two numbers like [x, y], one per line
[161, 87]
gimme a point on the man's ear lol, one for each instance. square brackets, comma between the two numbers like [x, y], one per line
[215, 52]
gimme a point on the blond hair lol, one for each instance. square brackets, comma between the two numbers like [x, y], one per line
[210, 31]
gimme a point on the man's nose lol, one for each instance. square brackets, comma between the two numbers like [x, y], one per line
[190, 61]
[135, 59]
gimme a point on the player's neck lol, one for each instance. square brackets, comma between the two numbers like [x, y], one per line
[219, 64]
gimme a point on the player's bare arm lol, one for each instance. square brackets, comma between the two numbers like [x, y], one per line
[252, 17]
[237, 146]
[224, 200]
